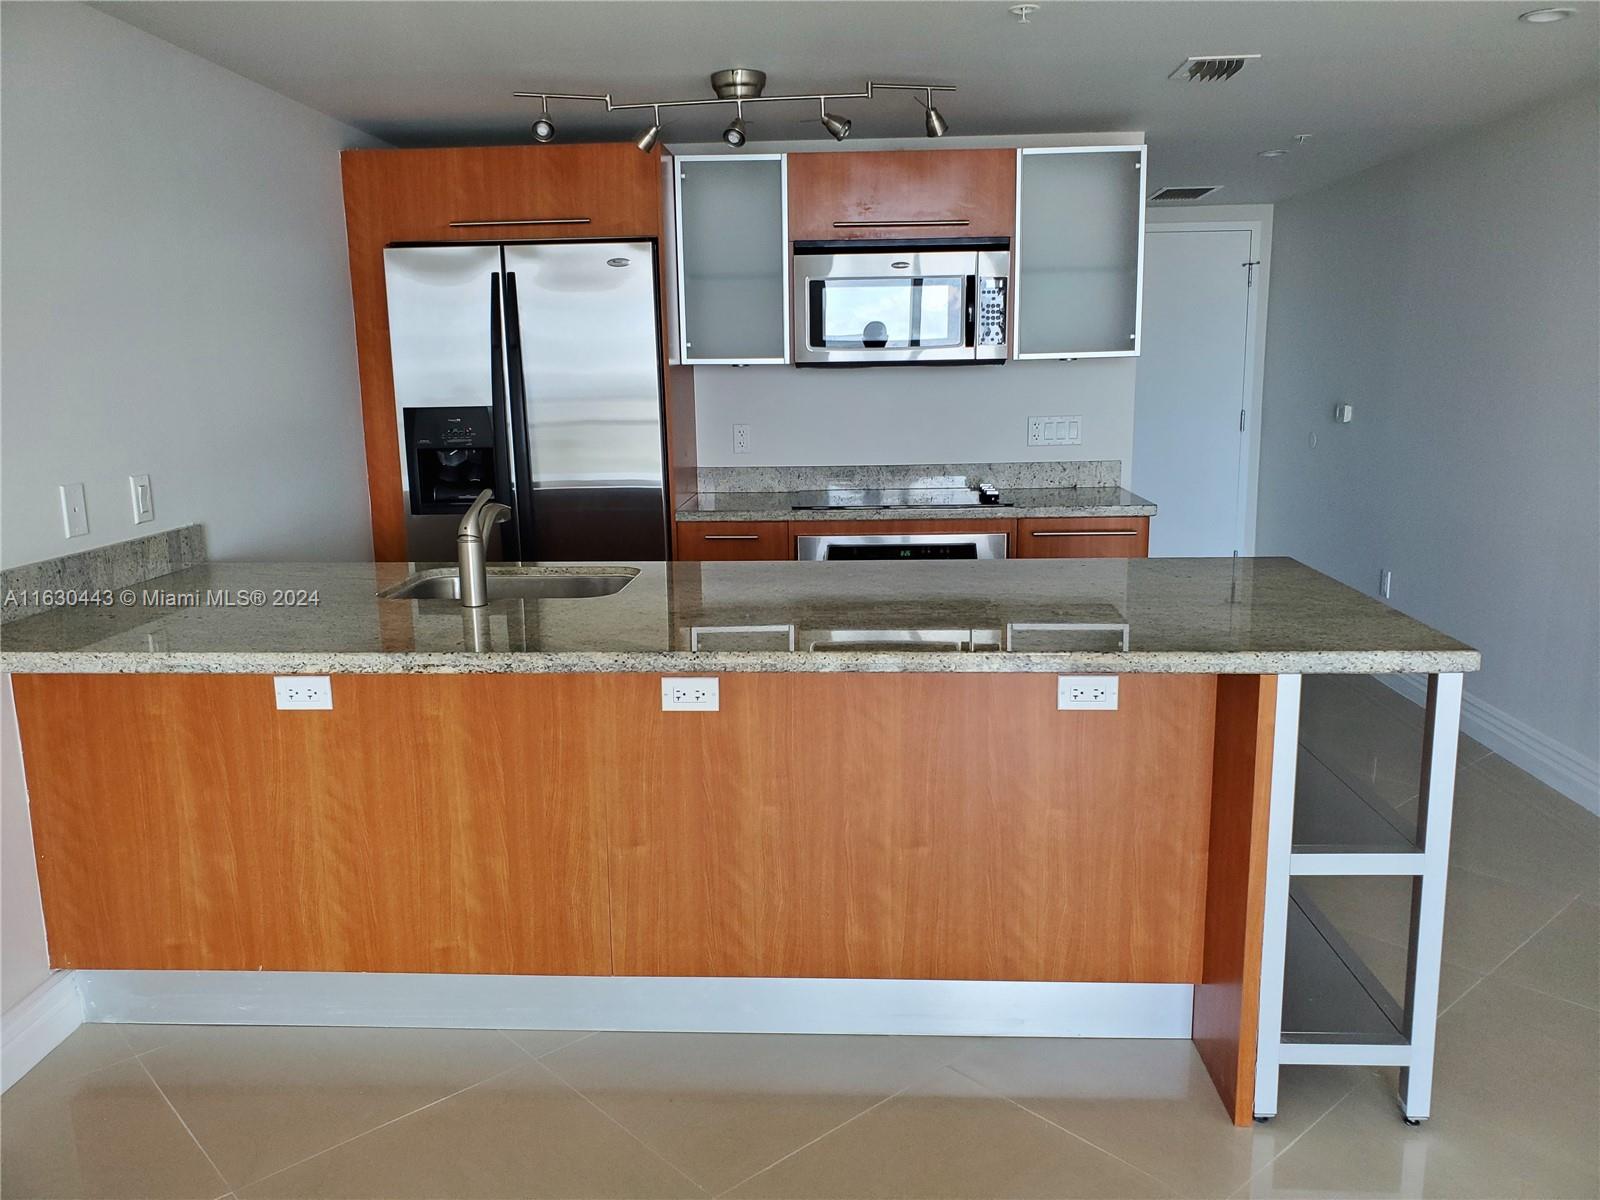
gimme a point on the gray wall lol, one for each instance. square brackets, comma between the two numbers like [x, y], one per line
[912, 414]
[1451, 297]
[176, 299]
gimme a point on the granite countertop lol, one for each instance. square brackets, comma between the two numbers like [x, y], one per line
[1244, 616]
[1020, 502]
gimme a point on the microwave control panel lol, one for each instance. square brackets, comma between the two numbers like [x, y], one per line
[991, 311]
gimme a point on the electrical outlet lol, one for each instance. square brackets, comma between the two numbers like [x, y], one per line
[1385, 582]
[1055, 431]
[683, 693]
[1091, 692]
[144, 505]
[741, 439]
[303, 691]
[74, 510]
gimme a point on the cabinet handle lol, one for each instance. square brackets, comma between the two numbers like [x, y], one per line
[950, 224]
[730, 537]
[1084, 532]
[522, 221]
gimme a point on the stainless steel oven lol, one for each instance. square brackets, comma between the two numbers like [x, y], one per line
[862, 304]
[907, 547]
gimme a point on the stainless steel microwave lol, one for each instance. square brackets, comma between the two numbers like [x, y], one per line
[864, 304]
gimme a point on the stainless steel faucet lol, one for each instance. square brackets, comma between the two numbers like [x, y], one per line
[472, 536]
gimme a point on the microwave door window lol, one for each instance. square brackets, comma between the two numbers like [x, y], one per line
[894, 314]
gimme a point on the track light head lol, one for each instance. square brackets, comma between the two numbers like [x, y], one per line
[838, 126]
[646, 141]
[934, 123]
[544, 129]
[735, 134]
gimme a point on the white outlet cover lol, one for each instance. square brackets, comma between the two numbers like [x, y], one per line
[690, 693]
[741, 439]
[303, 691]
[1086, 693]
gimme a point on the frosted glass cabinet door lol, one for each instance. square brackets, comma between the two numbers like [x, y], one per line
[733, 258]
[1081, 245]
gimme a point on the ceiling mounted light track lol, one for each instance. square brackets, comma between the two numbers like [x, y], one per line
[740, 86]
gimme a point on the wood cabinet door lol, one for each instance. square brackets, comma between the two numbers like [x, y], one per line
[438, 824]
[733, 541]
[902, 194]
[1083, 537]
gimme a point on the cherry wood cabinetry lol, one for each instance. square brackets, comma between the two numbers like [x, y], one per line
[733, 541]
[1083, 537]
[902, 194]
[927, 826]
[479, 194]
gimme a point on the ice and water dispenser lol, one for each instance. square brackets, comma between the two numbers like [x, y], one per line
[450, 458]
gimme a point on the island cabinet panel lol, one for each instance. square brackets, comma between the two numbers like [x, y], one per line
[733, 541]
[919, 826]
[1083, 537]
[446, 824]
[902, 194]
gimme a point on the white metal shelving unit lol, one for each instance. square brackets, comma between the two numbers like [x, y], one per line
[1319, 1002]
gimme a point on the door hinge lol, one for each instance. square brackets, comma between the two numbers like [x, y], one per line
[1250, 271]
[1241, 420]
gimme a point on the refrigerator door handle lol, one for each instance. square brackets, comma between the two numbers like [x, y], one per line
[517, 388]
[505, 489]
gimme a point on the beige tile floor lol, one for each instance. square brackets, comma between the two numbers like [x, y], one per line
[256, 1113]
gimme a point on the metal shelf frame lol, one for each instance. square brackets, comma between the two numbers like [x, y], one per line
[1412, 1046]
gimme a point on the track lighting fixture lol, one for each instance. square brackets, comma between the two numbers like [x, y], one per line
[740, 86]
[838, 126]
[646, 140]
[734, 134]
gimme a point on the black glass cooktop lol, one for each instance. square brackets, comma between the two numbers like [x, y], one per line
[895, 498]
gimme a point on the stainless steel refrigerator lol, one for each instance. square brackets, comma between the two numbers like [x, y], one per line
[557, 345]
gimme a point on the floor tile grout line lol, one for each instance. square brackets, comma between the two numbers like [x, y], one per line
[1590, 1008]
[1490, 973]
[1072, 1133]
[646, 1146]
[1266, 1166]
[381, 1125]
[829, 1133]
[198, 1144]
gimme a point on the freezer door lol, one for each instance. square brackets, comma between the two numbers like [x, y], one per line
[590, 361]
[445, 353]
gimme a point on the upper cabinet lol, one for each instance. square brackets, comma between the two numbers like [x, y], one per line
[901, 194]
[511, 193]
[733, 259]
[1079, 259]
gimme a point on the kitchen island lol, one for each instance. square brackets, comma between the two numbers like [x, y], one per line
[888, 795]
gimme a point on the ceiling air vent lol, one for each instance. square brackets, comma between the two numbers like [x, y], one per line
[1203, 68]
[1171, 194]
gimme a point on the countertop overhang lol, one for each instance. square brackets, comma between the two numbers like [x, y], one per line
[1175, 616]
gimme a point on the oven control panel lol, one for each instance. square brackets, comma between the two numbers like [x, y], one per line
[991, 311]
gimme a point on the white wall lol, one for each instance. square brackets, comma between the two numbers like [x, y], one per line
[1451, 297]
[175, 299]
[912, 414]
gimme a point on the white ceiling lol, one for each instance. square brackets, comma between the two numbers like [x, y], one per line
[1368, 79]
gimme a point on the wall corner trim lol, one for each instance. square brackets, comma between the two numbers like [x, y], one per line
[37, 1024]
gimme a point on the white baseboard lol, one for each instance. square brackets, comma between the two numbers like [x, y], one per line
[895, 1006]
[1570, 773]
[37, 1024]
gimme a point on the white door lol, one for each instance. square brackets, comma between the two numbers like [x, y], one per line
[1188, 441]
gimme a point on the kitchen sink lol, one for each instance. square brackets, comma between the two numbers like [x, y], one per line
[514, 583]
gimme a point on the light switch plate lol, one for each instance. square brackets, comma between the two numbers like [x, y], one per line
[144, 505]
[74, 510]
[303, 691]
[685, 693]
